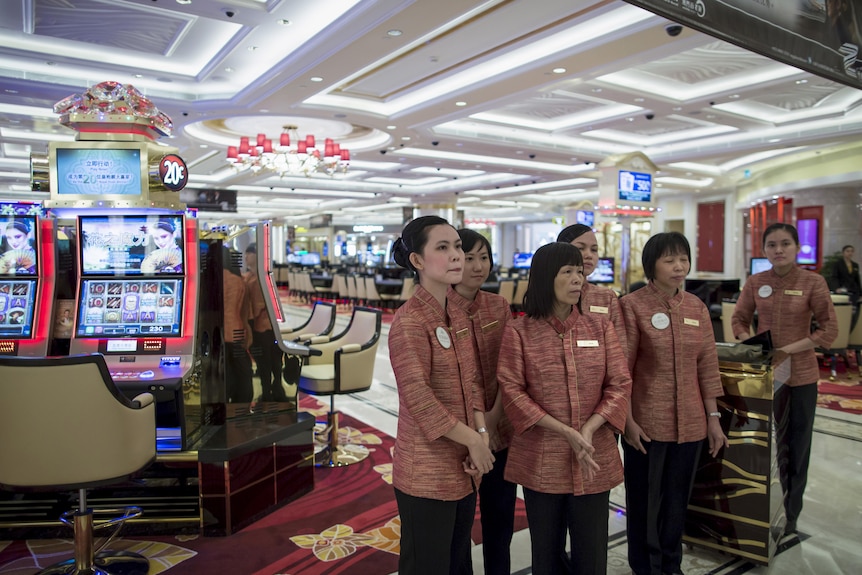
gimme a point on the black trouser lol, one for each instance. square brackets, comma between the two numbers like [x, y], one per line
[435, 535]
[497, 507]
[267, 356]
[794, 409]
[585, 518]
[658, 487]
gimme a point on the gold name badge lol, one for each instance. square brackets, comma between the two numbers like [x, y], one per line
[490, 326]
[598, 309]
[588, 343]
[462, 333]
[793, 292]
[693, 322]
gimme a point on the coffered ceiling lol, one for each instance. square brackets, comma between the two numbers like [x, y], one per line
[501, 106]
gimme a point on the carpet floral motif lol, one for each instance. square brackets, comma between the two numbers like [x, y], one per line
[337, 542]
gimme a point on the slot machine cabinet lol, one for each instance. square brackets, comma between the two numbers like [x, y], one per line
[27, 283]
[137, 305]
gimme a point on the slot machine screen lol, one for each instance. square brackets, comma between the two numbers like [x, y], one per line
[130, 245]
[17, 297]
[96, 170]
[141, 307]
[17, 247]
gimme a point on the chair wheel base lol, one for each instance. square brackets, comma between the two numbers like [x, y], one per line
[342, 456]
[106, 563]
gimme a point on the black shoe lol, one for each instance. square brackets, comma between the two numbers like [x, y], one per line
[790, 528]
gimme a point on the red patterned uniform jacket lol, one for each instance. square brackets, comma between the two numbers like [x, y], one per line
[433, 359]
[569, 370]
[673, 362]
[785, 306]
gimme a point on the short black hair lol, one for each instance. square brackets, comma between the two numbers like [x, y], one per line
[660, 245]
[780, 226]
[571, 233]
[413, 238]
[547, 262]
[469, 239]
[848, 246]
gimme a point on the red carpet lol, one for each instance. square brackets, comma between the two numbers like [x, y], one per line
[348, 524]
[840, 395]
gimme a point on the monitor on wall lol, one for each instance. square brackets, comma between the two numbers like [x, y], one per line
[809, 242]
[634, 187]
[522, 261]
[18, 254]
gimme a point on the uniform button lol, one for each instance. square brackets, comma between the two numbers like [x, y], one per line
[561, 335]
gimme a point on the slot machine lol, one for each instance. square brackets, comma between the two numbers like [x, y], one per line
[26, 284]
[136, 303]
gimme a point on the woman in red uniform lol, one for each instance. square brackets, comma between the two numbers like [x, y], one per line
[786, 297]
[594, 298]
[488, 314]
[675, 380]
[566, 391]
[442, 445]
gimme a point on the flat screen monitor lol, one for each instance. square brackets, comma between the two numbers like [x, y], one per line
[17, 308]
[309, 259]
[759, 265]
[138, 307]
[522, 261]
[635, 186]
[604, 272]
[585, 217]
[127, 245]
[97, 170]
[17, 246]
[808, 241]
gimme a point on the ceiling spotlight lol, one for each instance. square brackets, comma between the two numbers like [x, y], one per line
[559, 70]
[802, 81]
[316, 79]
[460, 103]
[184, 1]
[391, 127]
[285, 22]
[394, 33]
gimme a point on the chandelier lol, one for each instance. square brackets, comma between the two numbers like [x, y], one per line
[286, 158]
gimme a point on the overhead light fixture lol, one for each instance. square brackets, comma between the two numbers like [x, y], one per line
[460, 103]
[559, 70]
[286, 159]
[394, 33]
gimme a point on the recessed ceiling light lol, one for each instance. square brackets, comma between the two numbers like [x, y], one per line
[734, 96]
[405, 138]
[252, 48]
[597, 90]
[639, 99]
[630, 119]
[202, 145]
[559, 70]
[391, 127]
[285, 22]
[184, 1]
[460, 103]
[394, 33]
[228, 69]
[11, 91]
[316, 79]
[139, 75]
[773, 140]
[803, 81]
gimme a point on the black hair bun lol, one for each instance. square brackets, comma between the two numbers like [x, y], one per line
[401, 254]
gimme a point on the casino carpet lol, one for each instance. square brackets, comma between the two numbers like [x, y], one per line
[843, 394]
[348, 524]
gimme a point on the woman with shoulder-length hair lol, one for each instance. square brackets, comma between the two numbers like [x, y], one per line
[786, 298]
[488, 314]
[595, 299]
[441, 448]
[566, 391]
[675, 380]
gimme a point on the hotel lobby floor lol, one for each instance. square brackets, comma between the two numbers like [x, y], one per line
[830, 526]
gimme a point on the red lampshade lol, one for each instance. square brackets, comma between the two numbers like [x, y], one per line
[285, 139]
[345, 155]
[261, 138]
[253, 152]
[232, 153]
[301, 147]
[267, 146]
[309, 141]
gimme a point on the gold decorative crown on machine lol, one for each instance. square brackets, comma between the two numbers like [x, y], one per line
[113, 107]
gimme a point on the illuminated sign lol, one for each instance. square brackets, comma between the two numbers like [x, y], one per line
[367, 229]
[635, 186]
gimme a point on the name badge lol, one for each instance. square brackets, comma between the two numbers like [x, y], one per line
[598, 309]
[588, 343]
[660, 320]
[490, 326]
[693, 322]
[462, 333]
[443, 337]
[793, 292]
[765, 291]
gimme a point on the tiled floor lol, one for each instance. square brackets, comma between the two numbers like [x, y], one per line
[830, 525]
